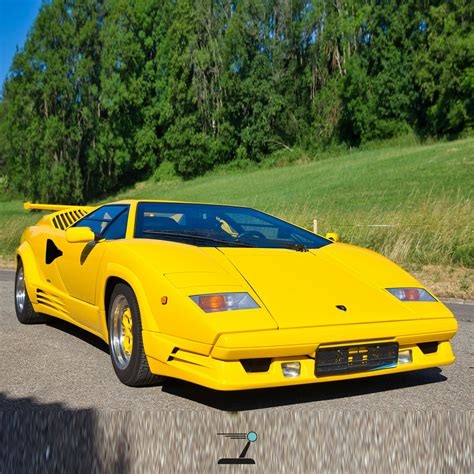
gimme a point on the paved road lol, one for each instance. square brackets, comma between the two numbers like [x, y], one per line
[58, 365]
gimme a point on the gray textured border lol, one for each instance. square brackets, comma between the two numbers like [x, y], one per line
[305, 441]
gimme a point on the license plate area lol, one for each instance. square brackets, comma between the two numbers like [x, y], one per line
[360, 358]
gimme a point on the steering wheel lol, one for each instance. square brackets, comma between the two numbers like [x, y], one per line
[251, 233]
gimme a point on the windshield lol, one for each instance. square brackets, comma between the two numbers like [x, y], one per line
[208, 225]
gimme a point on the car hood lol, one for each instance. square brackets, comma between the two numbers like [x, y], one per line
[303, 289]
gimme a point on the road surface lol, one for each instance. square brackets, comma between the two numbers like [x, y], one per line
[57, 364]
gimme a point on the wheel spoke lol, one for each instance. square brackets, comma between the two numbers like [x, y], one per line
[121, 336]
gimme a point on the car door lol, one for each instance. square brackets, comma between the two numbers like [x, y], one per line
[79, 265]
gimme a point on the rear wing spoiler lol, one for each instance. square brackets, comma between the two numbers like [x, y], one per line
[46, 207]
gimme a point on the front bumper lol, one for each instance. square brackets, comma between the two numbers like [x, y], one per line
[219, 366]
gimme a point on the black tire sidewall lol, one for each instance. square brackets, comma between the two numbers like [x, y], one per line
[18, 312]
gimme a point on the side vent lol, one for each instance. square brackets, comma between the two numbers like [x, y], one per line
[256, 365]
[64, 219]
[50, 301]
[428, 347]
[52, 252]
[174, 351]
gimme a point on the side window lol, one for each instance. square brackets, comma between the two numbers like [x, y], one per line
[100, 219]
[118, 228]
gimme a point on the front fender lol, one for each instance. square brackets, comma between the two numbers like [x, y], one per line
[115, 270]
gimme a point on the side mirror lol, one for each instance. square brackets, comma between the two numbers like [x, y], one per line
[81, 235]
[333, 236]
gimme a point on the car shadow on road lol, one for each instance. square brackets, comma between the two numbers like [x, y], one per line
[81, 334]
[245, 400]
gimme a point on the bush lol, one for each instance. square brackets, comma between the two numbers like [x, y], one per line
[165, 172]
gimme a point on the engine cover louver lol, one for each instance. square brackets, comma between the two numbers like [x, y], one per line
[64, 219]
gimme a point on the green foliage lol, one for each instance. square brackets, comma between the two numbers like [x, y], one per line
[443, 65]
[165, 172]
[108, 92]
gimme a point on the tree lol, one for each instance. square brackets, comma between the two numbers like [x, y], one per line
[106, 91]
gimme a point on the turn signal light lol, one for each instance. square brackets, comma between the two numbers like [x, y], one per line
[411, 294]
[212, 302]
[215, 302]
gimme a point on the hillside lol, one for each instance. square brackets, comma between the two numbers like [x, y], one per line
[383, 178]
[421, 195]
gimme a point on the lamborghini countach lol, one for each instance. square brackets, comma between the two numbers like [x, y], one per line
[225, 296]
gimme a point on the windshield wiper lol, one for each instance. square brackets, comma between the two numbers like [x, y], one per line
[191, 236]
[238, 242]
[292, 245]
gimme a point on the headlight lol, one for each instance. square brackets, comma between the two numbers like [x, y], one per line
[411, 294]
[224, 302]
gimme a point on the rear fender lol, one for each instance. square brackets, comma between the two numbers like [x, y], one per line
[33, 276]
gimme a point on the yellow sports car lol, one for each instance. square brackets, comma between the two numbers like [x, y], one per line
[225, 296]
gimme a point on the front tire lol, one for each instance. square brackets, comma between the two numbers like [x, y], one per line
[23, 307]
[125, 339]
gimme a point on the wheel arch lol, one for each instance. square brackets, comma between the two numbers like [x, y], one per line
[32, 275]
[119, 274]
[110, 284]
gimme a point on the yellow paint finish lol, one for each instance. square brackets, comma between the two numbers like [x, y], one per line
[46, 207]
[196, 279]
[302, 289]
[270, 343]
[76, 235]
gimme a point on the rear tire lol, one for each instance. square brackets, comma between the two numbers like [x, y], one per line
[125, 339]
[23, 307]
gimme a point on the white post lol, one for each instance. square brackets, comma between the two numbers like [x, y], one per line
[315, 226]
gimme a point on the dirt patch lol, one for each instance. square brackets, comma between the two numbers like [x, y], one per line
[448, 282]
[7, 262]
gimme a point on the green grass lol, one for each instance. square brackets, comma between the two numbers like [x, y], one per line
[13, 220]
[423, 191]
[381, 178]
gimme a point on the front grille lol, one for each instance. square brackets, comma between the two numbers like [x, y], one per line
[350, 359]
